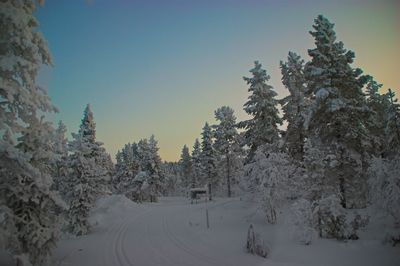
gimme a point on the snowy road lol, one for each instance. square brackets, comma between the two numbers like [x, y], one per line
[172, 232]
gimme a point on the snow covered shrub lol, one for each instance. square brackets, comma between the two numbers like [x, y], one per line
[331, 218]
[384, 185]
[140, 189]
[357, 223]
[267, 178]
[254, 243]
[303, 221]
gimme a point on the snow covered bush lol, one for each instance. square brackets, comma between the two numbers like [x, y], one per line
[267, 178]
[331, 218]
[254, 244]
[303, 221]
[384, 185]
[139, 189]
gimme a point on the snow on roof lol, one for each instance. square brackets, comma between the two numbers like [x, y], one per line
[198, 189]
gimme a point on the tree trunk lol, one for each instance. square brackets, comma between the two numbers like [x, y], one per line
[228, 175]
[209, 185]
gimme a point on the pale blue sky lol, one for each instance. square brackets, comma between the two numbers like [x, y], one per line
[163, 67]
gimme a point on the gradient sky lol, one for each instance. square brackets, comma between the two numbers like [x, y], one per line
[163, 67]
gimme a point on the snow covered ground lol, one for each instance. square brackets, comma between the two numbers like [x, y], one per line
[174, 232]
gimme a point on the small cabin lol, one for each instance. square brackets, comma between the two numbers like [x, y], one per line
[195, 193]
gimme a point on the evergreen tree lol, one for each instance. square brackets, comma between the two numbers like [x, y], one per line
[379, 106]
[197, 167]
[156, 177]
[262, 128]
[208, 159]
[295, 105]
[186, 166]
[89, 178]
[337, 118]
[61, 170]
[392, 127]
[226, 144]
[29, 223]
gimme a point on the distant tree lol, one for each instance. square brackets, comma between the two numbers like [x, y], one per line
[157, 179]
[28, 223]
[208, 159]
[197, 167]
[262, 128]
[186, 166]
[227, 144]
[172, 175]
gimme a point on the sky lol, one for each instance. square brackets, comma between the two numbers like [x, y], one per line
[163, 67]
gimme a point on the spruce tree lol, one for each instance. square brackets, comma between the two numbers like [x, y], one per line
[227, 144]
[208, 159]
[295, 105]
[156, 177]
[29, 223]
[392, 127]
[379, 106]
[60, 165]
[186, 166]
[262, 128]
[197, 167]
[89, 179]
[337, 118]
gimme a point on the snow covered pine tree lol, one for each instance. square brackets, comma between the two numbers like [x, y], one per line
[28, 221]
[89, 178]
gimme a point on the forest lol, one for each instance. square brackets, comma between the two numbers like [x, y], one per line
[328, 153]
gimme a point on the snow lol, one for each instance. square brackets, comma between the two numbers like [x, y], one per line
[174, 232]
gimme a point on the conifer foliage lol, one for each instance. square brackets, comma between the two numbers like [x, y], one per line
[28, 221]
[89, 177]
[227, 146]
[262, 105]
[337, 118]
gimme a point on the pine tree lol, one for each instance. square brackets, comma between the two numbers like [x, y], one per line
[186, 166]
[197, 167]
[392, 127]
[61, 170]
[29, 223]
[262, 128]
[156, 177]
[89, 179]
[295, 105]
[227, 144]
[379, 106]
[337, 118]
[208, 159]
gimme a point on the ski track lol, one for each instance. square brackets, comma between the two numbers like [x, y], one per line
[155, 230]
[185, 247]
